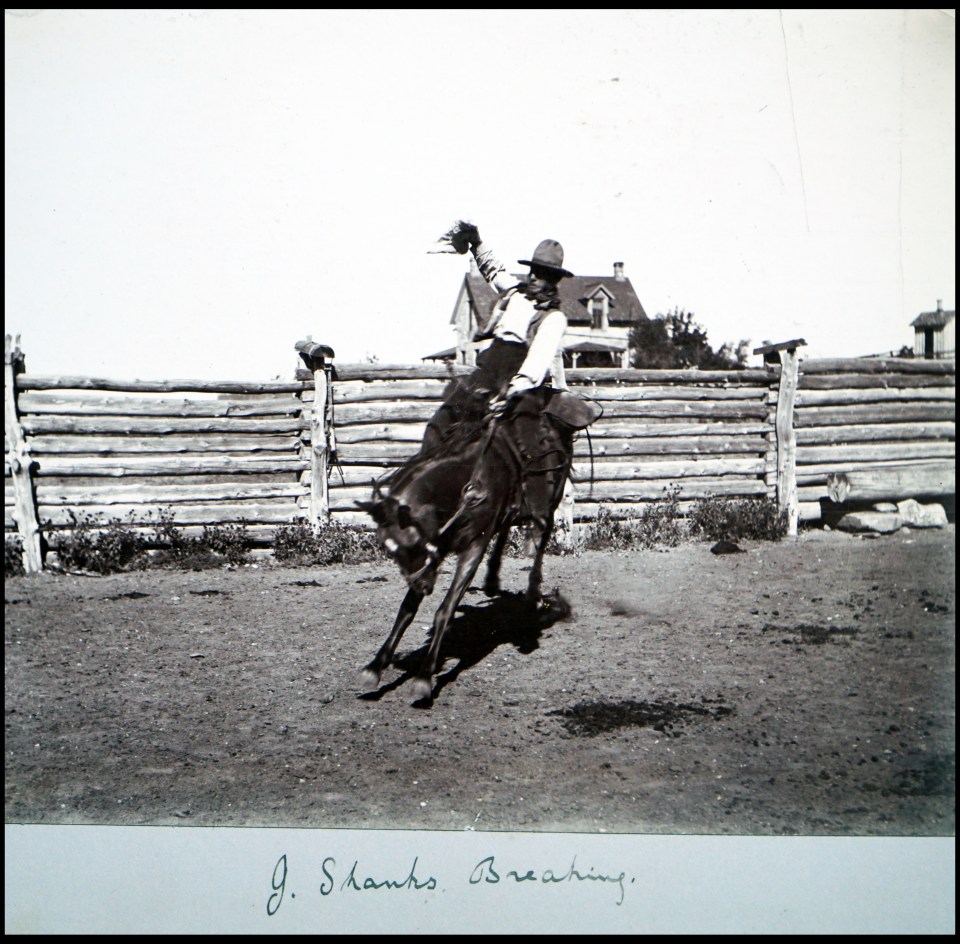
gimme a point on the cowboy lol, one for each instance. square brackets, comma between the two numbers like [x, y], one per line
[526, 329]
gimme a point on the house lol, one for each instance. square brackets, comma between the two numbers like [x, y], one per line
[936, 334]
[600, 310]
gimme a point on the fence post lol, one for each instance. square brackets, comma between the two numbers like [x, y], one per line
[21, 465]
[786, 354]
[318, 359]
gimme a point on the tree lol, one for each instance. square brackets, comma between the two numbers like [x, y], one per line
[675, 340]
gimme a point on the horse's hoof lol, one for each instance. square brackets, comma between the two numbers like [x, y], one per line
[492, 589]
[422, 688]
[369, 678]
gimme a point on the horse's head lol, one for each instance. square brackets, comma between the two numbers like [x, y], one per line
[407, 534]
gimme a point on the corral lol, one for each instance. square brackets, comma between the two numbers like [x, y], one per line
[801, 687]
[804, 686]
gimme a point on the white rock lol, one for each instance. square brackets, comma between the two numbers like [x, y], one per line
[877, 521]
[922, 516]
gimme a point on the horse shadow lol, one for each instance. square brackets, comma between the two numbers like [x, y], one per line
[475, 633]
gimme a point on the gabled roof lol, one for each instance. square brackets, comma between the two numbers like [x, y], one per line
[625, 307]
[608, 345]
[933, 319]
[446, 355]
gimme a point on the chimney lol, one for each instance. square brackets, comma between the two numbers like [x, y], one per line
[939, 305]
[618, 272]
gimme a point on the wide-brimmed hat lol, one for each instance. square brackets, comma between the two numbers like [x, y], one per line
[548, 255]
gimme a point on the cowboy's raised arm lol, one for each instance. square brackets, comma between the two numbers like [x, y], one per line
[489, 265]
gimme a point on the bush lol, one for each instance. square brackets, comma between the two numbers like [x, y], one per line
[516, 545]
[13, 557]
[301, 544]
[658, 525]
[230, 541]
[758, 519]
[102, 548]
[121, 544]
[216, 545]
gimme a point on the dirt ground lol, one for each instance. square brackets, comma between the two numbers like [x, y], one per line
[805, 687]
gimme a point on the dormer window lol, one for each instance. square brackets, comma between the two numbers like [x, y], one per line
[598, 311]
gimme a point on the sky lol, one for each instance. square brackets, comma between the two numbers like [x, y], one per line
[191, 192]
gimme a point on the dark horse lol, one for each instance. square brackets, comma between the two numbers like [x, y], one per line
[456, 503]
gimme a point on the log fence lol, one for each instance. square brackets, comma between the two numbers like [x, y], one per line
[802, 432]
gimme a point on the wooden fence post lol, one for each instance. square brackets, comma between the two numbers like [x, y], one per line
[786, 353]
[318, 359]
[21, 465]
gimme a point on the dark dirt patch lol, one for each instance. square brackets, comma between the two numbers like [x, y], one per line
[590, 719]
[811, 681]
[815, 635]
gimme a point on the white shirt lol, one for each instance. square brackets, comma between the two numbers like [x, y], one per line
[544, 352]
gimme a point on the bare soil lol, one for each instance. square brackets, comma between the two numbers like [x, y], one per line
[805, 687]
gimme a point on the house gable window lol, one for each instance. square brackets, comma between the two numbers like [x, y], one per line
[599, 307]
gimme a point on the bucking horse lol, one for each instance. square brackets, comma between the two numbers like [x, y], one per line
[455, 502]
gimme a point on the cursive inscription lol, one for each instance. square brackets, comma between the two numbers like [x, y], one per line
[378, 878]
[369, 883]
[279, 884]
[485, 872]
[357, 880]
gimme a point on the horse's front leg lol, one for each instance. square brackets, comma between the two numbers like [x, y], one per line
[467, 563]
[408, 610]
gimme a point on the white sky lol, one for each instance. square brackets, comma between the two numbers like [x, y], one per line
[188, 193]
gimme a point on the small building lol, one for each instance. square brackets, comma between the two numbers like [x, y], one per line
[600, 310]
[935, 334]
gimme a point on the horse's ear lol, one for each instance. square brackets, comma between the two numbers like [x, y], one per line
[374, 509]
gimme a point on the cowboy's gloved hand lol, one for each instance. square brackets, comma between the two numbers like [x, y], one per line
[459, 238]
[468, 236]
[498, 405]
[519, 384]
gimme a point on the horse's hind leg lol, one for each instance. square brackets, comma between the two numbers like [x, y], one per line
[467, 564]
[544, 531]
[408, 610]
[491, 584]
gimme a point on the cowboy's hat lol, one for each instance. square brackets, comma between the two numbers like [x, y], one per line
[548, 255]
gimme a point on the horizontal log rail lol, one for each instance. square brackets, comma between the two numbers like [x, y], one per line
[886, 413]
[280, 512]
[159, 425]
[43, 403]
[173, 465]
[165, 494]
[878, 365]
[120, 445]
[41, 382]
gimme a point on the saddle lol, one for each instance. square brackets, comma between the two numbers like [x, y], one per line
[571, 410]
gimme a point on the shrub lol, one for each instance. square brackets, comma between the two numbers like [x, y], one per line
[230, 541]
[658, 525]
[121, 544]
[102, 548]
[758, 519]
[12, 557]
[215, 546]
[300, 543]
[516, 545]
